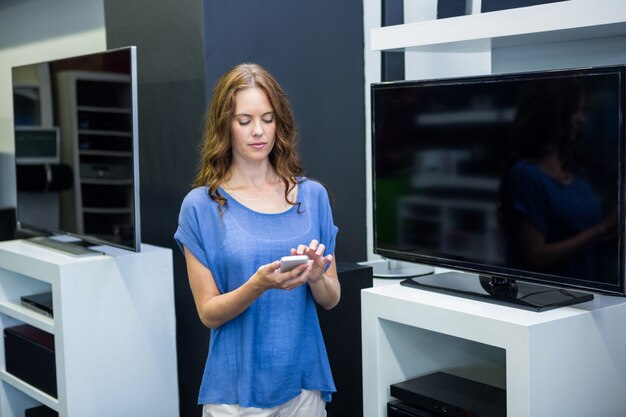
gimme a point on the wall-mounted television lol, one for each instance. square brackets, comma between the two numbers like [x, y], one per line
[76, 142]
[513, 182]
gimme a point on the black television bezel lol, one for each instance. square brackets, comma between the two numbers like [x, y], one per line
[487, 270]
[83, 240]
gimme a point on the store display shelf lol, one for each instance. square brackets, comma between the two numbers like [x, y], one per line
[29, 390]
[555, 22]
[15, 310]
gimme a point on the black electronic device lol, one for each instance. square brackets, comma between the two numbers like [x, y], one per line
[44, 177]
[397, 408]
[41, 303]
[459, 182]
[76, 141]
[29, 355]
[444, 394]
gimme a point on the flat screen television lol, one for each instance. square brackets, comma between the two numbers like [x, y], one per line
[514, 182]
[76, 144]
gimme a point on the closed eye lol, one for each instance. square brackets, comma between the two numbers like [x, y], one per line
[244, 120]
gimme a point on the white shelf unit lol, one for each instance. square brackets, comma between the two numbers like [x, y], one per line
[96, 119]
[114, 330]
[571, 20]
[568, 361]
[564, 362]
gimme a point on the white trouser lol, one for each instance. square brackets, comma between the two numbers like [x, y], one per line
[307, 404]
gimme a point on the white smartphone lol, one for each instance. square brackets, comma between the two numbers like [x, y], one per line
[287, 263]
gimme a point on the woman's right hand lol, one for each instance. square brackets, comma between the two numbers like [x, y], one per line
[215, 308]
[269, 277]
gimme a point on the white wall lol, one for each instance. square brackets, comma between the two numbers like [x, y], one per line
[33, 31]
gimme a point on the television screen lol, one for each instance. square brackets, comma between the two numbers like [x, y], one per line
[76, 156]
[517, 176]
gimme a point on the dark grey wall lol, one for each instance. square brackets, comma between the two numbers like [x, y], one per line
[170, 50]
[315, 50]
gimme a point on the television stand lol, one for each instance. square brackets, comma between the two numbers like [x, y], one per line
[393, 269]
[501, 291]
[73, 248]
[563, 362]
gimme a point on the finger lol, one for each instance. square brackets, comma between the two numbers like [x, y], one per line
[313, 245]
[271, 267]
[325, 261]
[301, 250]
[295, 277]
[320, 250]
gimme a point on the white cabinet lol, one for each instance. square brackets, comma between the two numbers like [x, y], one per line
[565, 362]
[113, 326]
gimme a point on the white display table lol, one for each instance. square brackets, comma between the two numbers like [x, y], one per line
[565, 362]
[114, 330]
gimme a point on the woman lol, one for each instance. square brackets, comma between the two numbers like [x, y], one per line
[249, 207]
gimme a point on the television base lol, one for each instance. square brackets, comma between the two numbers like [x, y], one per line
[397, 269]
[506, 292]
[69, 248]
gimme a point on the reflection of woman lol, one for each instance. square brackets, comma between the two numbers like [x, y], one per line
[552, 217]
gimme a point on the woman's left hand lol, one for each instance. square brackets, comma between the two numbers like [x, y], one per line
[315, 252]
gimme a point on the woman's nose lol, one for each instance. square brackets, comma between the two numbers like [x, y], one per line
[257, 128]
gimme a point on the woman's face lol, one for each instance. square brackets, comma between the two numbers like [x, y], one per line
[578, 117]
[253, 126]
[576, 122]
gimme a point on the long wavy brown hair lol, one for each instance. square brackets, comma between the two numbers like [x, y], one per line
[216, 148]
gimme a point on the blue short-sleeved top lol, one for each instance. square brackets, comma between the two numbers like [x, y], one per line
[265, 356]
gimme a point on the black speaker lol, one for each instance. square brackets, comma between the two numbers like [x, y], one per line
[341, 328]
[29, 356]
